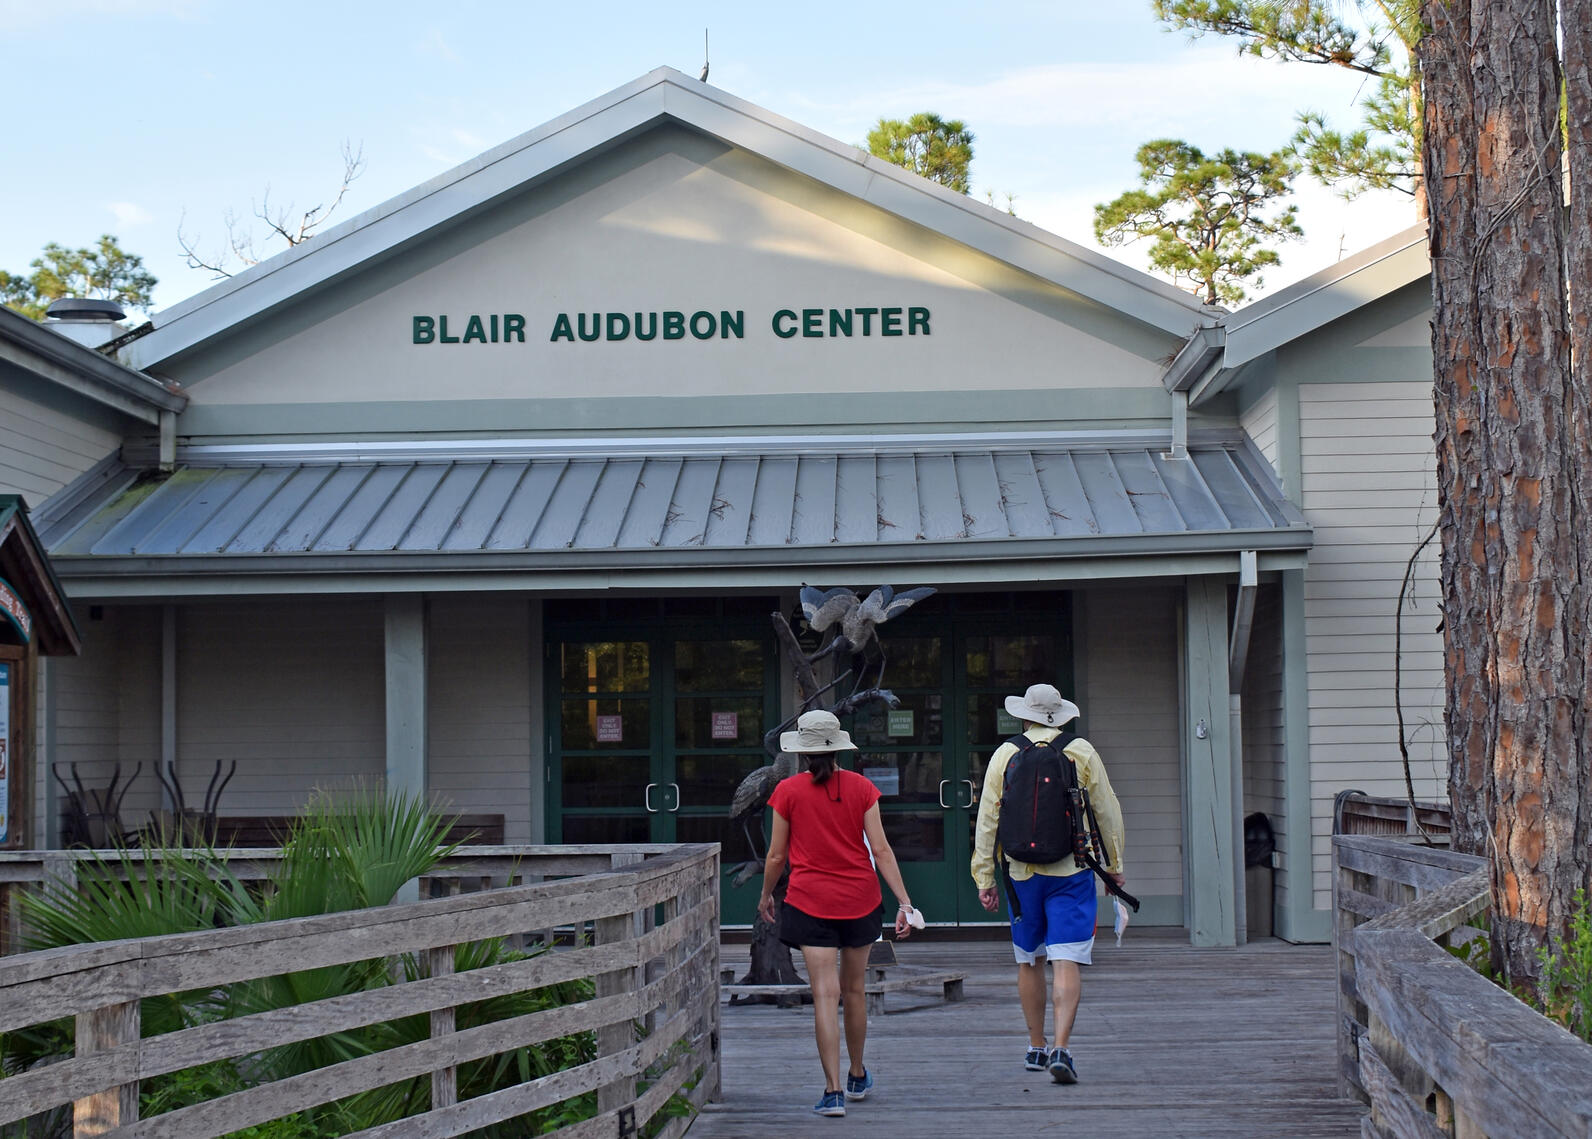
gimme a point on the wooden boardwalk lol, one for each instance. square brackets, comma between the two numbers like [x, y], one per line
[1170, 1041]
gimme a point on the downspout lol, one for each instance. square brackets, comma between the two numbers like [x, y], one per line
[168, 440]
[1237, 662]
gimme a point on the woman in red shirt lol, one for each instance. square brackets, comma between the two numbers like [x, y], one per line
[833, 907]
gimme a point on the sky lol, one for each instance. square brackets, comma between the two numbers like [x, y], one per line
[140, 117]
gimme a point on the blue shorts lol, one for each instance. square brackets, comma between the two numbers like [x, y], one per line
[1058, 914]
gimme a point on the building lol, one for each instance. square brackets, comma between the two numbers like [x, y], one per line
[491, 491]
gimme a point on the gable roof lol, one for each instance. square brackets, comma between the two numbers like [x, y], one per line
[662, 95]
[1213, 358]
[41, 352]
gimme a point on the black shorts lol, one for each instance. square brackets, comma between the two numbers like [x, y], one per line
[798, 928]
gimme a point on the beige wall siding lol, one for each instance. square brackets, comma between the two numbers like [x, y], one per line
[1264, 725]
[293, 690]
[1259, 422]
[1369, 489]
[41, 450]
[479, 696]
[1130, 710]
[107, 708]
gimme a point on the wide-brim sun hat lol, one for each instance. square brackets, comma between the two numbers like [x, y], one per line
[816, 731]
[1042, 704]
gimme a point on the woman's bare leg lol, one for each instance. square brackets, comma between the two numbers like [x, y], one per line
[853, 976]
[823, 976]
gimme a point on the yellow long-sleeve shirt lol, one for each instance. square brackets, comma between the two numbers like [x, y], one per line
[1091, 777]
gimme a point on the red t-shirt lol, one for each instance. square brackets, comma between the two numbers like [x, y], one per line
[831, 875]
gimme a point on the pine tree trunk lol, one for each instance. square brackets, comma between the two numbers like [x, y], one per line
[1511, 473]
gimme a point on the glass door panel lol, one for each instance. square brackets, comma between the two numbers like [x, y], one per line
[605, 734]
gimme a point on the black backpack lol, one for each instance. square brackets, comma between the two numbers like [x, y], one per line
[1045, 814]
[1042, 817]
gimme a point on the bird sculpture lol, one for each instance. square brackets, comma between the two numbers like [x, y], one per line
[746, 807]
[856, 622]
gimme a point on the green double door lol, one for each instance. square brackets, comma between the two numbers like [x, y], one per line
[654, 730]
[928, 756]
[653, 734]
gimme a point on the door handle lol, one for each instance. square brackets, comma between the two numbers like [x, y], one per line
[943, 804]
[970, 793]
[646, 799]
[676, 787]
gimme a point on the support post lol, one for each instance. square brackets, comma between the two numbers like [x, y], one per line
[406, 704]
[444, 1081]
[98, 1031]
[168, 712]
[1208, 777]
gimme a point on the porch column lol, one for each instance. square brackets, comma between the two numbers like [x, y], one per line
[406, 694]
[1208, 775]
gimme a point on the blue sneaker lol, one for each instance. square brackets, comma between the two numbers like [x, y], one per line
[858, 1087]
[1061, 1066]
[1037, 1059]
[833, 1103]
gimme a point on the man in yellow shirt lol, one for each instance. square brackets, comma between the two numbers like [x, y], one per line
[1057, 900]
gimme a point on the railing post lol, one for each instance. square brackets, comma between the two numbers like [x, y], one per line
[614, 1038]
[444, 1081]
[97, 1031]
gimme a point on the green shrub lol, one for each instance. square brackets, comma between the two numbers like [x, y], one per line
[1567, 973]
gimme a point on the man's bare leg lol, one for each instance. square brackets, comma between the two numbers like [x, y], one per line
[1066, 990]
[1031, 992]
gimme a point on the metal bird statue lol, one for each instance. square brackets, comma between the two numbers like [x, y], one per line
[746, 808]
[856, 622]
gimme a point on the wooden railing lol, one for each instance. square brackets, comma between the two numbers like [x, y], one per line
[1434, 1047]
[468, 869]
[1355, 812]
[643, 926]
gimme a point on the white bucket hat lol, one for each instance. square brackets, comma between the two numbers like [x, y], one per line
[1042, 704]
[816, 731]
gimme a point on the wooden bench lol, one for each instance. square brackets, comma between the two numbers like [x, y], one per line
[880, 982]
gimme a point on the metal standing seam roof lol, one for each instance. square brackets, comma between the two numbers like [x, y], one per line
[271, 506]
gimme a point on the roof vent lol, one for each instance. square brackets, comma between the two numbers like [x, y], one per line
[88, 321]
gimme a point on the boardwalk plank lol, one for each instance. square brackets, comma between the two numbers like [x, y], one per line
[1170, 1040]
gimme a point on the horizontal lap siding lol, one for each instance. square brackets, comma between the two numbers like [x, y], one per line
[41, 450]
[1264, 726]
[1259, 422]
[294, 691]
[107, 708]
[1369, 489]
[1130, 710]
[479, 678]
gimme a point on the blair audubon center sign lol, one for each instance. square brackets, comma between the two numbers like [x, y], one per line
[786, 324]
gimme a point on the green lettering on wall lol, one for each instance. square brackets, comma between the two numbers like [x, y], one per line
[561, 328]
[425, 330]
[890, 321]
[442, 334]
[732, 322]
[494, 328]
[596, 325]
[812, 322]
[703, 326]
[514, 325]
[618, 326]
[918, 321]
[840, 322]
[652, 326]
[674, 326]
[784, 333]
[475, 330]
[867, 320]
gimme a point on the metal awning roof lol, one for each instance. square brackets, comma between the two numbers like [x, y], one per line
[645, 503]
